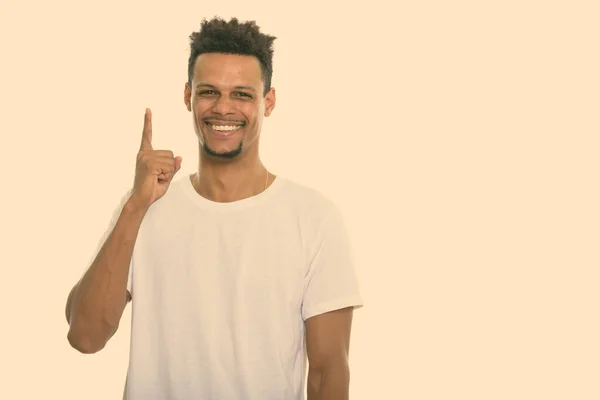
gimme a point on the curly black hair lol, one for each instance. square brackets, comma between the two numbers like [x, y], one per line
[233, 37]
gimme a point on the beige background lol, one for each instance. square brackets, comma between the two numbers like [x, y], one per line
[460, 140]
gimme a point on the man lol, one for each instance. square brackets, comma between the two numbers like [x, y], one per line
[236, 276]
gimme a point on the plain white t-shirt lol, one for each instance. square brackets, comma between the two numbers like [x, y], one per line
[221, 292]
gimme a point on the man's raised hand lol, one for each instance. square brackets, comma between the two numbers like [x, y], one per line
[155, 169]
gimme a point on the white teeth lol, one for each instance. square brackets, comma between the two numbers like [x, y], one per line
[225, 127]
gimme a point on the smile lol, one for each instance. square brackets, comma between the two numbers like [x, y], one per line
[224, 129]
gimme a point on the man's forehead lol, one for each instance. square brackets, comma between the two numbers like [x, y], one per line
[228, 71]
[232, 62]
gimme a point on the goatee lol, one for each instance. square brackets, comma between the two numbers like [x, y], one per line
[226, 155]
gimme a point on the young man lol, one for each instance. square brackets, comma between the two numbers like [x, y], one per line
[236, 275]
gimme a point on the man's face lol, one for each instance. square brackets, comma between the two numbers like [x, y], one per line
[227, 103]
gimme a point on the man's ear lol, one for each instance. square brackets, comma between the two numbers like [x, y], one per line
[187, 96]
[270, 100]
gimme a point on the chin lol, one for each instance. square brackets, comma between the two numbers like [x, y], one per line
[227, 154]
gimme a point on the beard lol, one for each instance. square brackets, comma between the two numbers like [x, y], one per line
[228, 155]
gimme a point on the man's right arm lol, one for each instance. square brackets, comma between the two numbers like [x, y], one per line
[96, 303]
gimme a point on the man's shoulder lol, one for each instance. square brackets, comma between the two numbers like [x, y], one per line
[306, 200]
[305, 191]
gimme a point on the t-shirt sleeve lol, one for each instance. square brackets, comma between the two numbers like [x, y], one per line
[331, 282]
[111, 225]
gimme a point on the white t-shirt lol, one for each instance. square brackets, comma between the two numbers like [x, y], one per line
[221, 292]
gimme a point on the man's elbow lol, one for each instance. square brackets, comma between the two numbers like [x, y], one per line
[339, 367]
[87, 342]
[332, 379]
[339, 375]
[83, 344]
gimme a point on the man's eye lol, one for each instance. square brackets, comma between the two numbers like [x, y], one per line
[244, 94]
[206, 92]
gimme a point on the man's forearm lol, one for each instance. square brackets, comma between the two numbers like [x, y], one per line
[97, 302]
[328, 384]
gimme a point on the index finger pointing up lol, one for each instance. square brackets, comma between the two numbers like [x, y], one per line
[147, 132]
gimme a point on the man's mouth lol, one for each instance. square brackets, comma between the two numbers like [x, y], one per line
[224, 128]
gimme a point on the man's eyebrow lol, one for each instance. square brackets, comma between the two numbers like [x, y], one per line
[242, 87]
[246, 88]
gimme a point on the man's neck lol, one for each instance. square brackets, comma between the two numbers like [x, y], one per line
[230, 181]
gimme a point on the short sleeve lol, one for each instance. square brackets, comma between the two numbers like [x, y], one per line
[111, 225]
[331, 282]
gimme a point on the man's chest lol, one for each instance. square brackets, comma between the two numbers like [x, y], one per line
[237, 266]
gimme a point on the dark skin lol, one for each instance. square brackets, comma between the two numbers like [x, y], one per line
[328, 344]
[225, 89]
[230, 88]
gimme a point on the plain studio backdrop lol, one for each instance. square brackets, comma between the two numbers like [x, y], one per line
[459, 139]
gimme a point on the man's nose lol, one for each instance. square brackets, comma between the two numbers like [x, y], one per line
[223, 105]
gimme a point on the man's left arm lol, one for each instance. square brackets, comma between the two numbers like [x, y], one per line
[331, 294]
[328, 344]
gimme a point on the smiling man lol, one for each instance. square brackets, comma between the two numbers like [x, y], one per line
[239, 279]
